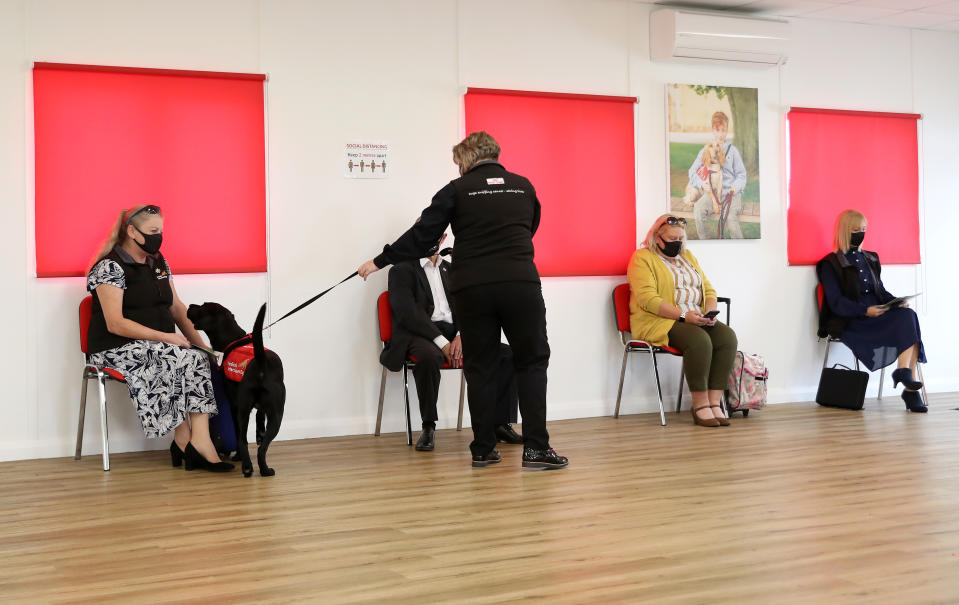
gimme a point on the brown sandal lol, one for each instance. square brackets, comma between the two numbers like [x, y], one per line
[701, 421]
[723, 421]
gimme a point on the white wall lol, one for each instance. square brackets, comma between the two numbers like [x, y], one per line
[396, 71]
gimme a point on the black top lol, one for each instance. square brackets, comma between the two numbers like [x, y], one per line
[493, 213]
[147, 296]
[412, 301]
[851, 283]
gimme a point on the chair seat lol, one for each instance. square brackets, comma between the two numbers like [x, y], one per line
[642, 344]
[445, 366]
[110, 372]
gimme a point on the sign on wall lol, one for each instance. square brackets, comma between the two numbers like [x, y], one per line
[714, 160]
[366, 160]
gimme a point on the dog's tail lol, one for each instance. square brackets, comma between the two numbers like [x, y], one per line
[259, 353]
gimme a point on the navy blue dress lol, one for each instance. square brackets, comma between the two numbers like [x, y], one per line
[875, 341]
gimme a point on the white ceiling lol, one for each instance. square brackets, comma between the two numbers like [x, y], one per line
[919, 14]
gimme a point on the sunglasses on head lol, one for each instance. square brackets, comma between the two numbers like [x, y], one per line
[675, 220]
[151, 209]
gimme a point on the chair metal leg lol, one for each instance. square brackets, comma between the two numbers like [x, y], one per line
[83, 414]
[659, 389]
[406, 393]
[882, 378]
[459, 416]
[103, 420]
[679, 395]
[825, 357]
[379, 409]
[622, 377]
[925, 396]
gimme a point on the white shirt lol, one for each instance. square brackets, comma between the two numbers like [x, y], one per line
[441, 305]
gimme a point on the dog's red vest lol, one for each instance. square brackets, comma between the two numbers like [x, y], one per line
[237, 357]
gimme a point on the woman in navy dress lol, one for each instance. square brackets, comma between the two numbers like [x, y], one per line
[851, 311]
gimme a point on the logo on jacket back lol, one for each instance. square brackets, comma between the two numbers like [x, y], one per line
[496, 181]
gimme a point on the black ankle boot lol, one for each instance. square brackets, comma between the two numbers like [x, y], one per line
[193, 459]
[176, 454]
[914, 402]
[904, 375]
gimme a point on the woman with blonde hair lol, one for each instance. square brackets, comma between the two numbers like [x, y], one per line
[133, 324]
[670, 298]
[853, 310]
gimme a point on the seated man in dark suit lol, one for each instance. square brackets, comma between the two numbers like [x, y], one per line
[424, 328]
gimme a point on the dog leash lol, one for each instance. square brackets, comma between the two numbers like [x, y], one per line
[312, 300]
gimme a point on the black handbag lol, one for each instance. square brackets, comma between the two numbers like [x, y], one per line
[842, 387]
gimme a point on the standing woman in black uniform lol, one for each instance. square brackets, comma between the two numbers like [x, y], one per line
[133, 324]
[495, 285]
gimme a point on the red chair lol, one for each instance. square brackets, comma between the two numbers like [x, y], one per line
[90, 372]
[820, 295]
[385, 316]
[621, 295]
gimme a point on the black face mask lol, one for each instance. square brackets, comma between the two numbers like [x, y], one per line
[855, 239]
[671, 249]
[151, 243]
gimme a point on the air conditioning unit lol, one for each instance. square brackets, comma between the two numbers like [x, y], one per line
[681, 35]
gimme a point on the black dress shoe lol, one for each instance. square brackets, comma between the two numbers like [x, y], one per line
[491, 458]
[545, 459]
[426, 441]
[193, 459]
[506, 434]
[176, 454]
[914, 402]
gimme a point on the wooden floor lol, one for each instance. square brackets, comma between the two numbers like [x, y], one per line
[795, 504]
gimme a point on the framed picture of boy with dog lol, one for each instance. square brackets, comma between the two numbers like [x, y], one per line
[714, 160]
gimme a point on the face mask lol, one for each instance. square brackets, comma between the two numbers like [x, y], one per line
[671, 249]
[855, 239]
[151, 243]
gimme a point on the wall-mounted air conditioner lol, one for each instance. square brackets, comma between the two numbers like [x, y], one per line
[681, 35]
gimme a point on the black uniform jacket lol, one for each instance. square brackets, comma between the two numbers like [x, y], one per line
[493, 213]
[412, 302]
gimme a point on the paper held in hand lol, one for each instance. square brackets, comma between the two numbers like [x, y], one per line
[897, 302]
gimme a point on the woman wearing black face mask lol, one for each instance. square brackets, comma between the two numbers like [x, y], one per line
[133, 324]
[669, 295]
[852, 311]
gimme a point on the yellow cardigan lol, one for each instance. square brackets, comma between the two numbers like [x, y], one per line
[650, 283]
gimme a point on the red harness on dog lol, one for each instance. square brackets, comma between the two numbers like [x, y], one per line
[236, 357]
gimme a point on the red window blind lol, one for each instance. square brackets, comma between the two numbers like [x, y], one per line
[864, 161]
[109, 138]
[577, 150]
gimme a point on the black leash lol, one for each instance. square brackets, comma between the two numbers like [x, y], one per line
[312, 300]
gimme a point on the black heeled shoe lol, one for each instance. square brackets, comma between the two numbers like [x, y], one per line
[193, 459]
[914, 402]
[176, 454]
[904, 375]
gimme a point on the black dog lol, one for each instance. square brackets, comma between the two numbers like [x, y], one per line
[261, 387]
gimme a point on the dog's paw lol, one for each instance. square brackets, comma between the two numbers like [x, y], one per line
[267, 472]
[247, 470]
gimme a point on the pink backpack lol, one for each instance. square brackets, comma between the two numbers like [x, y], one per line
[747, 382]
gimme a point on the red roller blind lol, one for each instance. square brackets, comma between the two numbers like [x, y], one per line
[577, 150]
[191, 142]
[860, 160]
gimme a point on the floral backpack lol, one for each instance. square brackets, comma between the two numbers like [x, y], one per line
[747, 382]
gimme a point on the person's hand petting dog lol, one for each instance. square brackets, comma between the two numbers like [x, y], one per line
[453, 351]
[175, 338]
[366, 269]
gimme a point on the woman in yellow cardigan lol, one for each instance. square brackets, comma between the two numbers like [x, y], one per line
[670, 297]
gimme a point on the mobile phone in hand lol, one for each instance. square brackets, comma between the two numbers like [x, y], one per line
[711, 314]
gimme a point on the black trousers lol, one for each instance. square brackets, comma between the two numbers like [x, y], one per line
[429, 359]
[518, 309]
